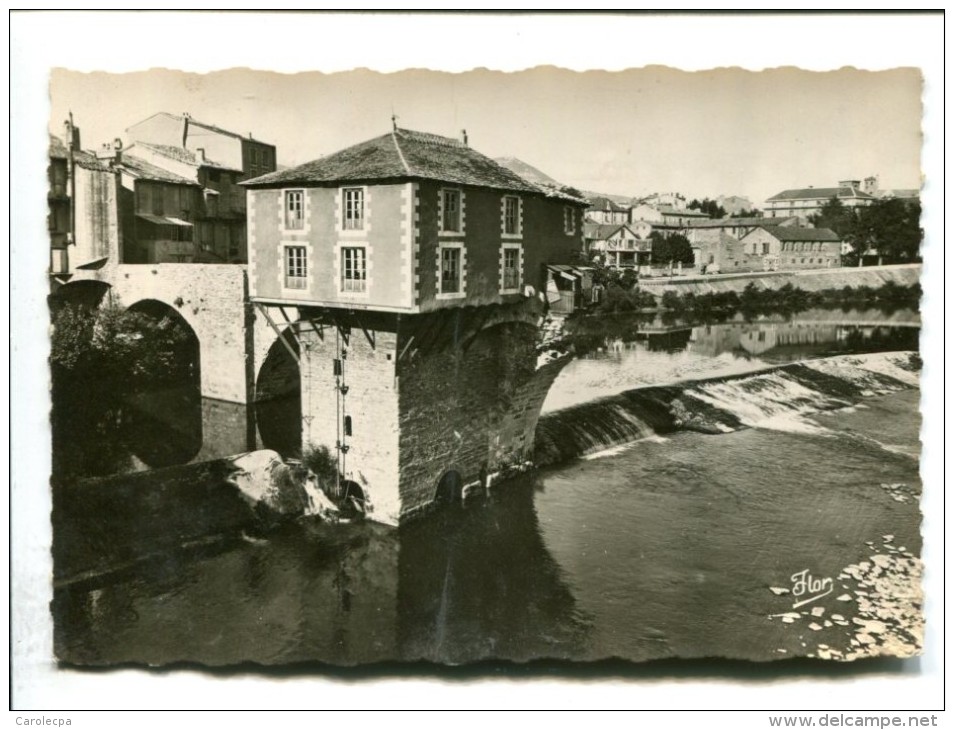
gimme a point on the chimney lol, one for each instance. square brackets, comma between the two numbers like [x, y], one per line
[463, 137]
[185, 128]
[118, 150]
[71, 134]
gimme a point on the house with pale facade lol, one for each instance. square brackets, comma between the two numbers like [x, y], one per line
[405, 222]
[792, 247]
[699, 230]
[805, 202]
[604, 210]
[620, 246]
[667, 219]
[765, 248]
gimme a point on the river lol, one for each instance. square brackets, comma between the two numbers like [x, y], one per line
[673, 543]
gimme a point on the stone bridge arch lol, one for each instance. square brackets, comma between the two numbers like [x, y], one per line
[277, 395]
[213, 300]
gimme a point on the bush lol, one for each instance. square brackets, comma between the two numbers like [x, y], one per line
[321, 462]
[671, 300]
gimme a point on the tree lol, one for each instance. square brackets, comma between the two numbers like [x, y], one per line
[747, 213]
[671, 249]
[710, 207]
[835, 216]
[115, 346]
[890, 227]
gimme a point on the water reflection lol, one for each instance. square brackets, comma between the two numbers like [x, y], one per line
[478, 582]
[469, 583]
[622, 352]
[101, 433]
[155, 428]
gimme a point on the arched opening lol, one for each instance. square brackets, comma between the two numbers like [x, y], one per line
[450, 488]
[278, 399]
[171, 353]
[354, 501]
[162, 414]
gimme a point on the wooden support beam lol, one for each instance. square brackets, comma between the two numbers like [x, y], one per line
[369, 335]
[410, 341]
[281, 335]
[318, 329]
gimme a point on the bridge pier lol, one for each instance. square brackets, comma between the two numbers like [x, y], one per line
[405, 400]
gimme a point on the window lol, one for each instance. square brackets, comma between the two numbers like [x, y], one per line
[178, 233]
[354, 269]
[511, 215]
[157, 207]
[569, 223]
[511, 268]
[450, 210]
[450, 270]
[294, 209]
[296, 267]
[353, 219]
[765, 247]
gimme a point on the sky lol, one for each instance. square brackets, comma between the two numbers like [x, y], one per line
[632, 132]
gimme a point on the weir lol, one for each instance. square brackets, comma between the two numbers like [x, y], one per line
[776, 398]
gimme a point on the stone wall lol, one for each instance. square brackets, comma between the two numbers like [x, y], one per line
[462, 409]
[837, 278]
[467, 400]
[371, 402]
[212, 300]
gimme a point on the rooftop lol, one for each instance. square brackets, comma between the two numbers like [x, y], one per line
[147, 171]
[204, 125]
[602, 203]
[736, 222]
[89, 161]
[404, 154]
[601, 231]
[670, 210]
[821, 194]
[791, 233]
[181, 154]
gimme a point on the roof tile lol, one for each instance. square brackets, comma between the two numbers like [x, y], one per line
[406, 154]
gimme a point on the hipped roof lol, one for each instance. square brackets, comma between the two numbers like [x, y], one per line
[404, 154]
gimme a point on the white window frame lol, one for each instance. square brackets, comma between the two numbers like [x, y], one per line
[342, 269]
[303, 281]
[341, 206]
[518, 221]
[441, 211]
[461, 274]
[284, 209]
[504, 248]
[345, 210]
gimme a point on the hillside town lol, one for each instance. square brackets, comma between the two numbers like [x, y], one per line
[172, 193]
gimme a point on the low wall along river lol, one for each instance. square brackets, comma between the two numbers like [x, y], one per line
[808, 280]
